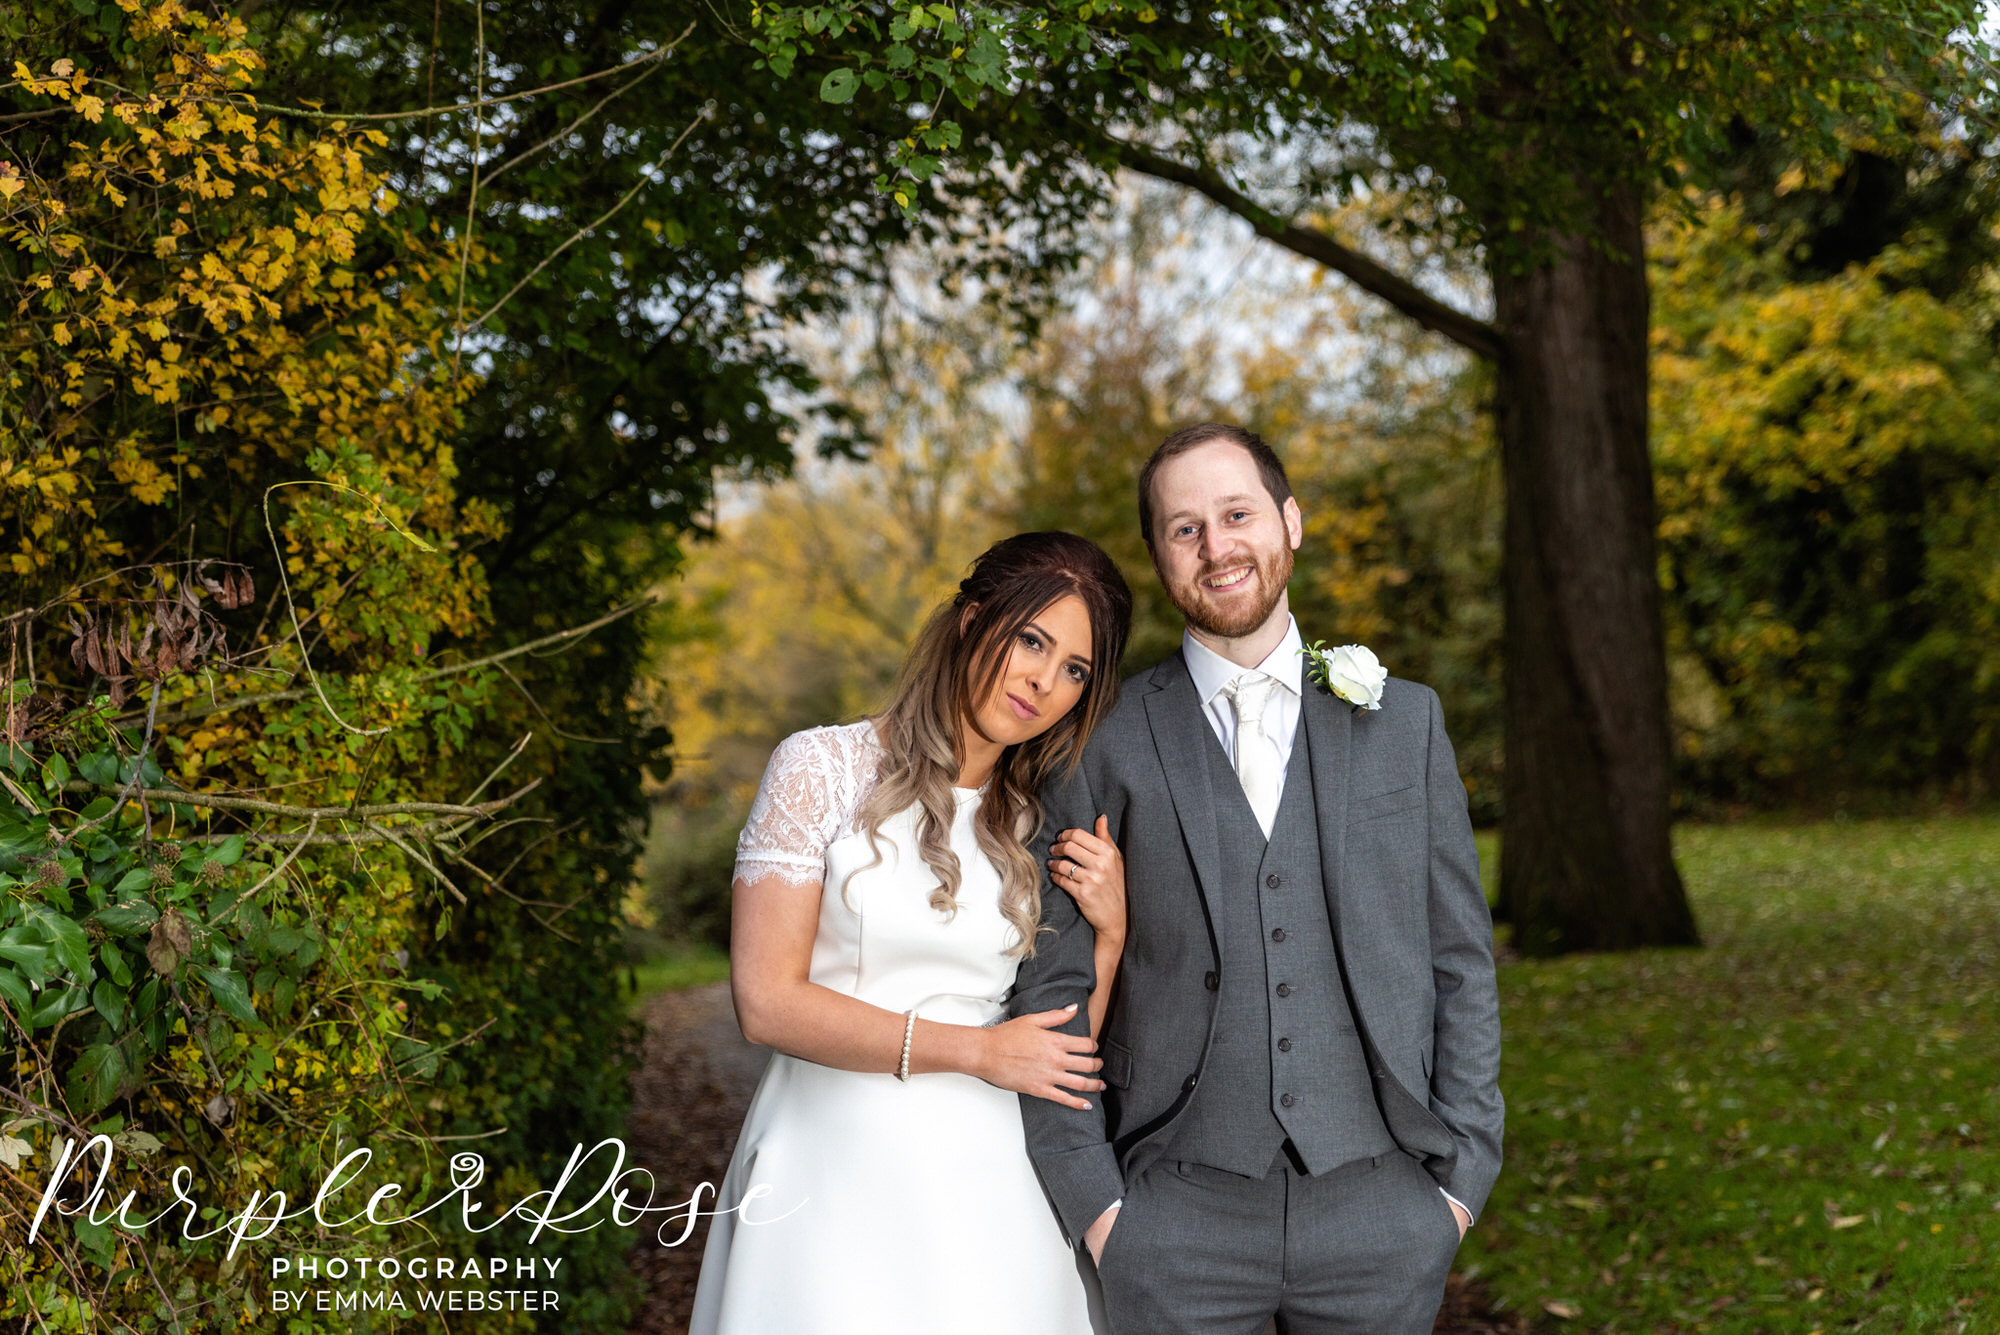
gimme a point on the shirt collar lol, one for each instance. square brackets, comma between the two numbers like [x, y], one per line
[1211, 671]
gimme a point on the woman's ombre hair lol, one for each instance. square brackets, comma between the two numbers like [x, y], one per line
[956, 665]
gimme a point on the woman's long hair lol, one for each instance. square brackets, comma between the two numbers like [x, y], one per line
[955, 665]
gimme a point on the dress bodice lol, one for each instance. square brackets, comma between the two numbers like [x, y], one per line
[878, 937]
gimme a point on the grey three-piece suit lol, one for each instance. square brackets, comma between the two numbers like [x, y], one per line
[1304, 1044]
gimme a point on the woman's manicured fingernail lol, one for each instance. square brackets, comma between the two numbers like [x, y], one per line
[1086, 1105]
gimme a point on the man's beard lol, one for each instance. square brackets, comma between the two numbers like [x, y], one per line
[1195, 603]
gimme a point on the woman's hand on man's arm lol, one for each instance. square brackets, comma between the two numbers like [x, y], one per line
[772, 926]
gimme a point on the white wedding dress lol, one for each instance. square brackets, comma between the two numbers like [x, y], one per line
[886, 1208]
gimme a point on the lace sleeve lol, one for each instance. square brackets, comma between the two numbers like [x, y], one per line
[806, 792]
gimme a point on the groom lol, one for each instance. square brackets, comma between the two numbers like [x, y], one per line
[1302, 1113]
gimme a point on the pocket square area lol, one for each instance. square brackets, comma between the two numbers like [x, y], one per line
[1383, 804]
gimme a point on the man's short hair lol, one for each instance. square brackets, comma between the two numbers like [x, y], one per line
[1269, 467]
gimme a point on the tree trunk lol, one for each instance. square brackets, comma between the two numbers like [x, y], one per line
[1588, 860]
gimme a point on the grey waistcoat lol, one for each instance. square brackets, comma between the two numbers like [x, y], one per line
[1286, 1060]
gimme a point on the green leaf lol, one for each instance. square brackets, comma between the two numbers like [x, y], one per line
[135, 1141]
[17, 757]
[60, 1001]
[23, 945]
[228, 989]
[136, 879]
[838, 86]
[98, 767]
[228, 851]
[71, 946]
[109, 999]
[15, 988]
[125, 919]
[93, 1080]
[96, 1239]
[219, 907]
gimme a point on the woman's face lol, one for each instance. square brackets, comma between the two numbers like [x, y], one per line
[1048, 667]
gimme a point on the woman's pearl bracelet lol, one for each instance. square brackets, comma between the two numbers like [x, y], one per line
[909, 1028]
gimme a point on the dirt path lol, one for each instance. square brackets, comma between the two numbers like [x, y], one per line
[688, 1102]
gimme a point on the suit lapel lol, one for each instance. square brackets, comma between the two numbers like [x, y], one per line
[1329, 727]
[1174, 713]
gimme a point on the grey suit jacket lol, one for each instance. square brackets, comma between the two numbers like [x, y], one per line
[1401, 879]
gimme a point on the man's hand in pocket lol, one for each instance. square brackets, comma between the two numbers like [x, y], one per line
[1094, 1237]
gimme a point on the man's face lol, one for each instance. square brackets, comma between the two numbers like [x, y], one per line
[1222, 546]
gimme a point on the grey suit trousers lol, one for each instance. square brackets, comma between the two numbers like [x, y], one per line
[1361, 1250]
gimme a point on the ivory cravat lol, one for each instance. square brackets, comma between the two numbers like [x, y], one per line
[1255, 763]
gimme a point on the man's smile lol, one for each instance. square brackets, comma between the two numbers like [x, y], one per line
[1229, 579]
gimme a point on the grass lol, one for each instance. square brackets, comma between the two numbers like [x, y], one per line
[1795, 1129]
[682, 966]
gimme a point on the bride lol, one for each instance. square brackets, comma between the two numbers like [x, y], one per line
[884, 895]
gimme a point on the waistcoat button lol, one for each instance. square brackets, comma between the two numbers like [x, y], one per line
[1277, 933]
[1273, 880]
[1210, 981]
[1284, 1045]
[1284, 989]
[1287, 1100]
[1188, 1084]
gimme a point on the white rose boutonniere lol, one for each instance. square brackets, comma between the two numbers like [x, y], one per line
[1351, 672]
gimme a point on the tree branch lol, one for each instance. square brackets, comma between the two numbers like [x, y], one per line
[221, 802]
[1473, 334]
[428, 674]
[480, 100]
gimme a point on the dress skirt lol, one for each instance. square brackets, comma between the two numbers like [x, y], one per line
[860, 1204]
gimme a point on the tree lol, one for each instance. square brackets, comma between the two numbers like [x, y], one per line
[1827, 457]
[239, 570]
[802, 609]
[1537, 134]
[656, 207]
